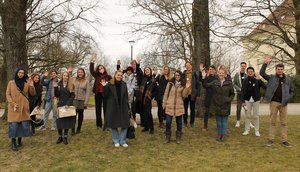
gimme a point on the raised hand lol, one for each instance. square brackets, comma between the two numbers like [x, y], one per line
[30, 81]
[70, 69]
[138, 60]
[257, 76]
[103, 82]
[94, 57]
[201, 67]
[268, 59]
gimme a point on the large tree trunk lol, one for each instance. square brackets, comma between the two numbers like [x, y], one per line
[201, 43]
[13, 18]
[297, 28]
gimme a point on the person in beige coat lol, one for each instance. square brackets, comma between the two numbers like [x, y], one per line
[173, 105]
[17, 93]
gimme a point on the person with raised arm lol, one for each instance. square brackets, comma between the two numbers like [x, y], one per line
[280, 90]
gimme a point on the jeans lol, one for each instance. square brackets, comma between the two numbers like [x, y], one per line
[169, 123]
[192, 109]
[238, 106]
[255, 107]
[222, 124]
[160, 112]
[276, 107]
[98, 102]
[48, 107]
[119, 137]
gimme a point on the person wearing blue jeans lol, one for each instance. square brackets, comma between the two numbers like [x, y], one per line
[223, 94]
[117, 107]
[173, 104]
[49, 99]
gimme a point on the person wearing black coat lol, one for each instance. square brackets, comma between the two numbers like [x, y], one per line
[209, 94]
[36, 100]
[65, 92]
[117, 108]
[161, 83]
[147, 93]
[250, 96]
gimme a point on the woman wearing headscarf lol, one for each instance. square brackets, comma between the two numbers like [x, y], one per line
[116, 95]
[17, 93]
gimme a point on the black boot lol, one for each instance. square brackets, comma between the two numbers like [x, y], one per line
[59, 140]
[178, 137]
[14, 145]
[168, 137]
[151, 131]
[66, 140]
[19, 142]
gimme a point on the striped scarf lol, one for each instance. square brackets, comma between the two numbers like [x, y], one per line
[148, 93]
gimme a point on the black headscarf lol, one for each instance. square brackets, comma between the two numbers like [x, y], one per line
[20, 81]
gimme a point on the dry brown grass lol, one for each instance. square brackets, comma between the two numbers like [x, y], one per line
[92, 150]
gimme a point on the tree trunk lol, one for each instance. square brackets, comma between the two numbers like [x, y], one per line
[297, 28]
[13, 18]
[201, 33]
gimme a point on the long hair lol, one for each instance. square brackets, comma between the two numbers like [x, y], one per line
[97, 70]
[83, 78]
[169, 74]
[114, 80]
[181, 78]
[69, 82]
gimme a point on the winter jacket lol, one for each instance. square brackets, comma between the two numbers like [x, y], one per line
[195, 84]
[173, 99]
[98, 77]
[117, 115]
[82, 90]
[222, 97]
[253, 84]
[273, 81]
[237, 82]
[13, 95]
[49, 85]
[161, 83]
[65, 97]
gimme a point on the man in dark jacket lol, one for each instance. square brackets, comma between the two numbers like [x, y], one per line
[191, 76]
[251, 98]
[208, 93]
[279, 91]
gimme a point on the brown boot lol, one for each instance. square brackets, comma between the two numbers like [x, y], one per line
[161, 125]
[168, 137]
[178, 137]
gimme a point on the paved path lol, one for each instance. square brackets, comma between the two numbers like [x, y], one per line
[293, 109]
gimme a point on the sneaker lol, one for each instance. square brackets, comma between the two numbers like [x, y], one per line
[257, 134]
[237, 124]
[286, 144]
[124, 145]
[245, 133]
[251, 125]
[42, 128]
[270, 143]
[53, 128]
[117, 145]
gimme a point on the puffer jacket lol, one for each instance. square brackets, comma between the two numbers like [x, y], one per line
[273, 81]
[173, 99]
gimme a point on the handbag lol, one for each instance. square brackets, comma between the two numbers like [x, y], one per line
[66, 111]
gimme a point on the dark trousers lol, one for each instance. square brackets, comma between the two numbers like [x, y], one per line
[135, 103]
[98, 102]
[206, 116]
[169, 123]
[238, 106]
[147, 116]
[79, 113]
[33, 118]
[160, 111]
[192, 103]
[60, 132]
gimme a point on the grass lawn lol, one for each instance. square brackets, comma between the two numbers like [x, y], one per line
[92, 150]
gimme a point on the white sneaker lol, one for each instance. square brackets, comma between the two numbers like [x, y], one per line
[42, 128]
[53, 128]
[125, 145]
[257, 134]
[237, 124]
[245, 133]
[251, 125]
[117, 145]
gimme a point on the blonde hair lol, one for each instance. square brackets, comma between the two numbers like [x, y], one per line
[224, 68]
[69, 82]
[163, 70]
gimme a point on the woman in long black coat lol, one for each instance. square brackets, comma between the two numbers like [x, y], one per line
[65, 93]
[116, 97]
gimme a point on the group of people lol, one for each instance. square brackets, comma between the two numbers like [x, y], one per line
[132, 90]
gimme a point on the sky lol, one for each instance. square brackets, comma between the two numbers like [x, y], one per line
[110, 37]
